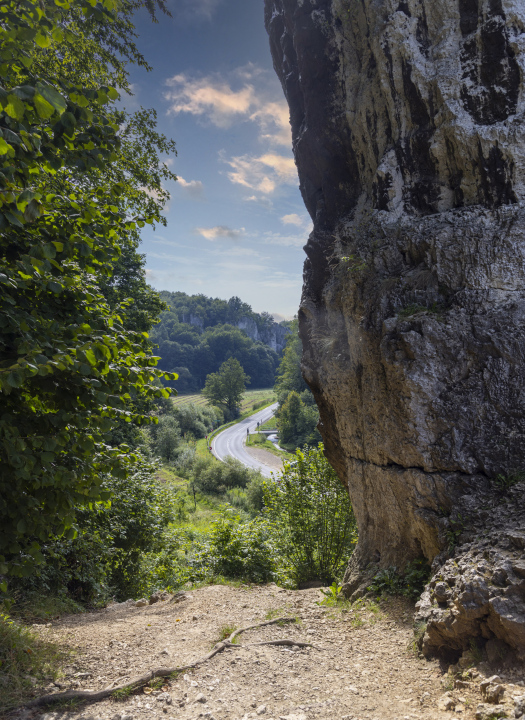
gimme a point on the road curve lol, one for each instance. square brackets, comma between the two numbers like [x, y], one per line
[231, 440]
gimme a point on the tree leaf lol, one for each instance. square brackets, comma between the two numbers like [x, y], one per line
[15, 108]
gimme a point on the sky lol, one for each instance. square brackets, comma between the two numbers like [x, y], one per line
[236, 220]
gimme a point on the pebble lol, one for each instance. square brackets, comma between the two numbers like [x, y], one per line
[261, 710]
[201, 698]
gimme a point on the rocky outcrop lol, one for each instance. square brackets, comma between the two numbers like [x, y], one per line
[408, 133]
[271, 334]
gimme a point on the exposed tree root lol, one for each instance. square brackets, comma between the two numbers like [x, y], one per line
[92, 696]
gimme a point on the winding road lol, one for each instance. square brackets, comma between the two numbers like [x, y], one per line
[231, 440]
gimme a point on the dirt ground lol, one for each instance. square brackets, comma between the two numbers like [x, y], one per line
[363, 665]
[266, 458]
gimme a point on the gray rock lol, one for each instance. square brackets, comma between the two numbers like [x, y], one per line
[490, 712]
[159, 597]
[261, 710]
[201, 698]
[409, 144]
[519, 706]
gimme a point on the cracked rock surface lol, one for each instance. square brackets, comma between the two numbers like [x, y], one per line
[408, 133]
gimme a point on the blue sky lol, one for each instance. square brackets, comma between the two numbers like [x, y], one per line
[236, 220]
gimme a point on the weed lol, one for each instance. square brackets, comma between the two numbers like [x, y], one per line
[225, 631]
[273, 613]
[455, 529]
[26, 661]
[415, 308]
[410, 583]
[157, 683]
[504, 482]
[354, 264]
[123, 693]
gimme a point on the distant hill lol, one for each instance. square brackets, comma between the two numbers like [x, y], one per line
[197, 334]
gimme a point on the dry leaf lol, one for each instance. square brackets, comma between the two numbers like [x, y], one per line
[148, 690]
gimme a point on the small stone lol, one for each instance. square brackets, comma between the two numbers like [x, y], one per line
[141, 603]
[261, 710]
[519, 706]
[490, 712]
[165, 652]
[201, 698]
[446, 702]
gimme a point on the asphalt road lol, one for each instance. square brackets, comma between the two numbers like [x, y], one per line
[231, 440]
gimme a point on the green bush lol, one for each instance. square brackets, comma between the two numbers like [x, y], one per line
[409, 583]
[105, 558]
[245, 551]
[310, 512]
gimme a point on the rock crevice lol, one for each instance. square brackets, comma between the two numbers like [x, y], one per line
[408, 133]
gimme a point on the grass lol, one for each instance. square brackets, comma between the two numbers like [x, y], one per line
[27, 661]
[270, 424]
[260, 441]
[225, 631]
[251, 398]
[37, 607]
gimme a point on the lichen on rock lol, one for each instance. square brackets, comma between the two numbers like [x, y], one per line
[408, 133]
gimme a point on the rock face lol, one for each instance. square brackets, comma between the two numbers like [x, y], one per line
[408, 133]
[273, 334]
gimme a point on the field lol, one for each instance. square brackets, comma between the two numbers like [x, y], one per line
[251, 398]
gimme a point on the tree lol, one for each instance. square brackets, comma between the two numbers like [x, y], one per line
[168, 437]
[289, 375]
[297, 422]
[226, 387]
[310, 511]
[70, 365]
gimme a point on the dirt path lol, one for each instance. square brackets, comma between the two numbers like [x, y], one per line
[363, 667]
[266, 458]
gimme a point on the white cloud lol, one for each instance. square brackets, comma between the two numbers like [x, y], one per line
[220, 231]
[195, 9]
[292, 219]
[262, 174]
[214, 98]
[194, 187]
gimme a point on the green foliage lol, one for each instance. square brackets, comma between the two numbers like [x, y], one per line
[215, 477]
[167, 437]
[455, 528]
[71, 369]
[289, 375]
[226, 387]
[310, 511]
[23, 655]
[297, 422]
[197, 334]
[409, 583]
[298, 415]
[245, 551]
[505, 482]
[333, 593]
[106, 557]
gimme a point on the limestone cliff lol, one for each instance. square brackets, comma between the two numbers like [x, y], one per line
[408, 133]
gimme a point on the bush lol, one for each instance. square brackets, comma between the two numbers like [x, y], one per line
[311, 513]
[216, 478]
[409, 583]
[234, 550]
[105, 557]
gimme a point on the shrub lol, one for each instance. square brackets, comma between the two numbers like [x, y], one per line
[105, 557]
[409, 583]
[310, 511]
[235, 550]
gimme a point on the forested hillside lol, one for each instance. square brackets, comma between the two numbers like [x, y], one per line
[197, 334]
